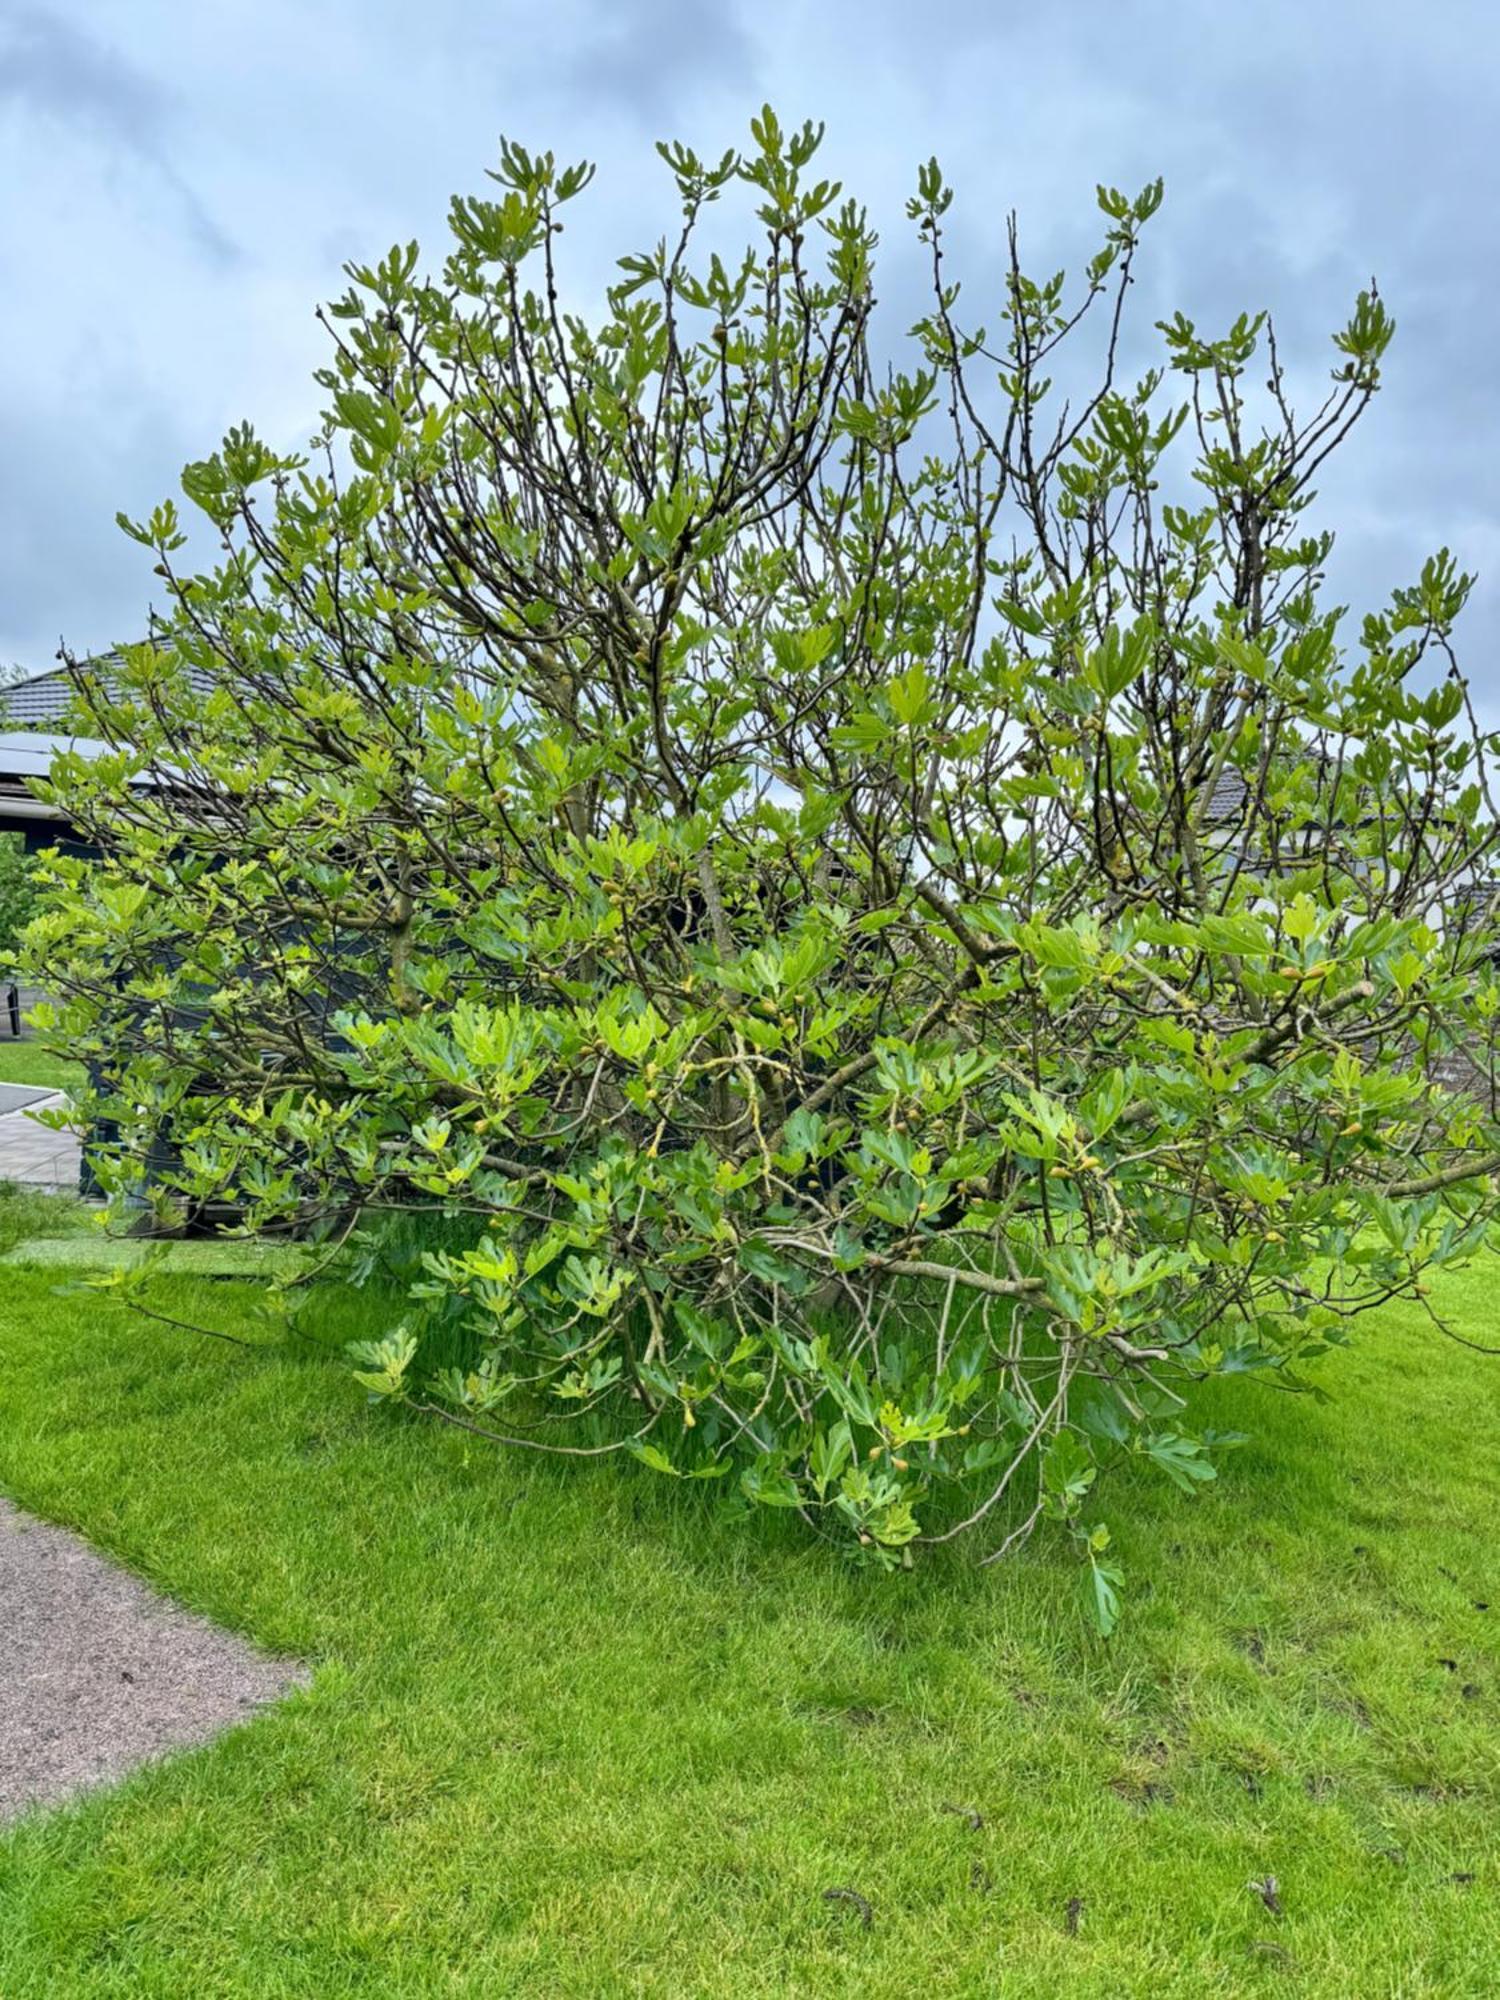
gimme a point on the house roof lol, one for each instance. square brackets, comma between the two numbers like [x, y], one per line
[47, 700]
[1227, 799]
[38, 700]
[28, 753]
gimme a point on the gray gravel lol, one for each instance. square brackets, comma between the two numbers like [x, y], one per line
[99, 1674]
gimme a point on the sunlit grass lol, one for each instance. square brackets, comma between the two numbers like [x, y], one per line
[572, 1734]
[29, 1062]
[44, 1223]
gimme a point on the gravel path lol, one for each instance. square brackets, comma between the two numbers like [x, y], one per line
[98, 1673]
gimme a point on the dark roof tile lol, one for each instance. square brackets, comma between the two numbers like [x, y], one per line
[46, 700]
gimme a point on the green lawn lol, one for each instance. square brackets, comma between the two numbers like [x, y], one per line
[29, 1062]
[571, 1735]
[216, 1256]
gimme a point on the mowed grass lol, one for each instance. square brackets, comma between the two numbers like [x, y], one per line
[571, 1734]
[29, 1062]
[218, 1256]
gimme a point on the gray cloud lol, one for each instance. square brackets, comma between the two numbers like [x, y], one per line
[42, 578]
[50, 66]
[1304, 148]
[646, 58]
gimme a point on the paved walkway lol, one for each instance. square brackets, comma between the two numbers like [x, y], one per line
[29, 1153]
[99, 1674]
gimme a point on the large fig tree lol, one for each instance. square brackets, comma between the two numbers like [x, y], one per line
[881, 887]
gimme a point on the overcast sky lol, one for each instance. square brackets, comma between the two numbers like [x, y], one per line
[184, 181]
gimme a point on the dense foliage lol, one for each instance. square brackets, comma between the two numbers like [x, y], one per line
[909, 926]
[17, 898]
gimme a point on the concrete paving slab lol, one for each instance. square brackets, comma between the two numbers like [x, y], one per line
[99, 1674]
[16, 1096]
[33, 1156]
